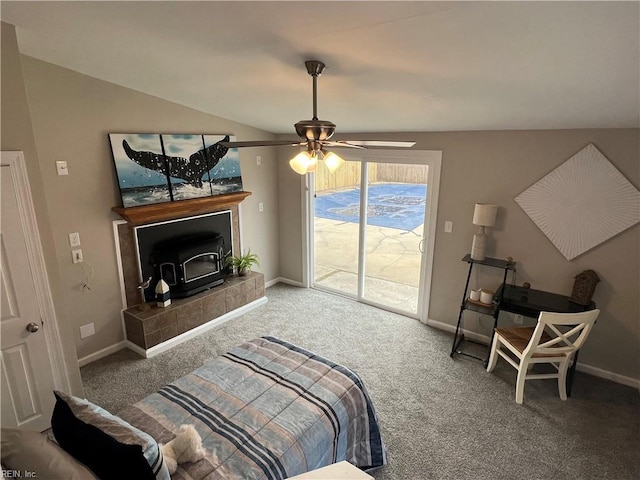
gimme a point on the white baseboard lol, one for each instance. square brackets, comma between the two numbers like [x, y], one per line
[92, 357]
[595, 371]
[607, 375]
[183, 337]
[284, 280]
[477, 337]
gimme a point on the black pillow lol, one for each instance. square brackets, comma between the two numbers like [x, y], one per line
[108, 458]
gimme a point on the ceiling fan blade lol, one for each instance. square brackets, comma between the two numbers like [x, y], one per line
[261, 143]
[378, 143]
[339, 143]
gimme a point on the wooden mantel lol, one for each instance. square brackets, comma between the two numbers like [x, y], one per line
[159, 212]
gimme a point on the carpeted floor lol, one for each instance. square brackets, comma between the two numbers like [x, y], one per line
[441, 418]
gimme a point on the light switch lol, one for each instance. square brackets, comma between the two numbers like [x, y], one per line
[76, 255]
[61, 168]
[448, 226]
[258, 160]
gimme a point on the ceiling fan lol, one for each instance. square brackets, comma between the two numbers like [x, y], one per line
[315, 135]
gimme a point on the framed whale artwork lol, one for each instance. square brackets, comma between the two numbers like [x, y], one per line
[187, 166]
[154, 168]
[141, 168]
[224, 171]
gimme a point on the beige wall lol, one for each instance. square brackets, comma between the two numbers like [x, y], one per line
[494, 167]
[17, 134]
[290, 196]
[72, 114]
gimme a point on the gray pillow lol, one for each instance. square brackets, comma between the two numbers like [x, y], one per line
[30, 451]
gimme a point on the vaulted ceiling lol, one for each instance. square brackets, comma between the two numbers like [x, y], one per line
[391, 66]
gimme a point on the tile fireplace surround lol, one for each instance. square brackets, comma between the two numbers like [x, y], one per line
[150, 329]
[148, 326]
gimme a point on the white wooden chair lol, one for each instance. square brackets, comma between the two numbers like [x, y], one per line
[543, 344]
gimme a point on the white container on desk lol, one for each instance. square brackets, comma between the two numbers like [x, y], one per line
[486, 296]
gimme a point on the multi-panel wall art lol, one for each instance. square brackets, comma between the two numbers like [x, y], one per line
[154, 168]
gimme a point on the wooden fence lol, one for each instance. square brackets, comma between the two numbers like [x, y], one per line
[348, 175]
[400, 172]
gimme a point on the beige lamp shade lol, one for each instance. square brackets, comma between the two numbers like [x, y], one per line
[485, 214]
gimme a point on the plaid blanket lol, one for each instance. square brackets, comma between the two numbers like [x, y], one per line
[266, 410]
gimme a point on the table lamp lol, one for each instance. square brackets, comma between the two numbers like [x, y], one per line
[484, 215]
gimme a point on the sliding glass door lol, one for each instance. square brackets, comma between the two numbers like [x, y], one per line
[396, 200]
[371, 229]
[336, 228]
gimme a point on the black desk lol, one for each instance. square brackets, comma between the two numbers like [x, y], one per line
[530, 302]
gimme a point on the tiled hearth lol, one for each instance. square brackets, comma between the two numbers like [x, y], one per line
[148, 326]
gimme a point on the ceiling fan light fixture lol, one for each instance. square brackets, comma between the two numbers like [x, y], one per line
[313, 161]
[307, 161]
[300, 163]
[332, 161]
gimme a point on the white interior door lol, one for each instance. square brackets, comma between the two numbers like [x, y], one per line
[27, 373]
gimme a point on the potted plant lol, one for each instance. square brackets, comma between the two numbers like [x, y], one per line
[243, 263]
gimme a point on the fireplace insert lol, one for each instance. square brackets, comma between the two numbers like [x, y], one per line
[190, 264]
[188, 253]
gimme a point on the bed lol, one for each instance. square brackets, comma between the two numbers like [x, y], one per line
[266, 410]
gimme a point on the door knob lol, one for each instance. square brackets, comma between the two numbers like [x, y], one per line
[32, 327]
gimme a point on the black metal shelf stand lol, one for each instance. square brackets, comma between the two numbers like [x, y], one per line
[492, 310]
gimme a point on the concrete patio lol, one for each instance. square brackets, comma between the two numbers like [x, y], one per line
[392, 262]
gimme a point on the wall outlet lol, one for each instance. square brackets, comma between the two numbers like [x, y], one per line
[518, 319]
[87, 330]
[74, 239]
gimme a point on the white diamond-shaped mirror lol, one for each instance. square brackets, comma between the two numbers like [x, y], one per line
[582, 203]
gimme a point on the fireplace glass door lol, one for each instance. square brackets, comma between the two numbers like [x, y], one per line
[200, 266]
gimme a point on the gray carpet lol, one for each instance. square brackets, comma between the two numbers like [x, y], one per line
[441, 418]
